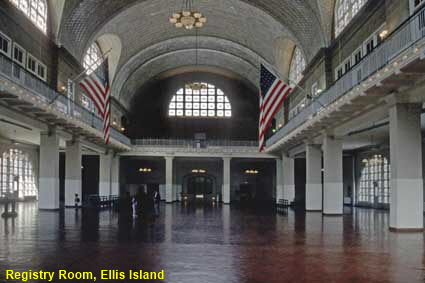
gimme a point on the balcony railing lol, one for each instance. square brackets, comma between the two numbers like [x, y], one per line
[404, 37]
[14, 72]
[181, 143]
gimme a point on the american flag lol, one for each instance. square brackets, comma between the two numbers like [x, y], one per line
[96, 85]
[273, 92]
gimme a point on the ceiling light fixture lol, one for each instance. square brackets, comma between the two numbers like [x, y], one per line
[188, 17]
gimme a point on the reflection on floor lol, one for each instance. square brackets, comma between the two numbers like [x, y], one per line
[215, 244]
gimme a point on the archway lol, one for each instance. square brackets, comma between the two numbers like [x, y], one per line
[199, 187]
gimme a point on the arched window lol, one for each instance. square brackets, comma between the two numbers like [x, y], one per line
[92, 58]
[35, 10]
[17, 174]
[345, 10]
[297, 67]
[200, 100]
[374, 183]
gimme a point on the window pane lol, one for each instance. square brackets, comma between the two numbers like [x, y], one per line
[201, 102]
[345, 10]
[93, 58]
[35, 10]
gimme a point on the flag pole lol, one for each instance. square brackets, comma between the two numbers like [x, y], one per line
[287, 78]
[307, 94]
[104, 56]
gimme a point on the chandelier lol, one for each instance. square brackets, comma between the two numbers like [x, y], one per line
[197, 86]
[188, 17]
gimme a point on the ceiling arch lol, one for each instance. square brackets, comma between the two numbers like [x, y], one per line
[188, 58]
[241, 30]
[169, 61]
[299, 18]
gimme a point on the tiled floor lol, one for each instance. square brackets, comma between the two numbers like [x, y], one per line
[217, 245]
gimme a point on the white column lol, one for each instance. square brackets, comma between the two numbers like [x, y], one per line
[332, 178]
[288, 165]
[313, 186]
[72, 172]
[115, 173]
[105, 162]
[406, 208]
[279, 180]
[226, 180]
[169, 179]
[49, 171]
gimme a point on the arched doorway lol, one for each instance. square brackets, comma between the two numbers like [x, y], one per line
[200, 187]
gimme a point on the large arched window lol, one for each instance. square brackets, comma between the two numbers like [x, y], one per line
[297, 67]
[92, 58]
[200, 100]
[345, 10]
[374, 183]
[35, 10]
[17, 174]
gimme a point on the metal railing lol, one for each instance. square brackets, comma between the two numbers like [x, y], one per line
[404, 37]
[182, 143]
[16, 73]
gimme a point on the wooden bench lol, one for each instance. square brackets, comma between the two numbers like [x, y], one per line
[282, 205]
[96, 201]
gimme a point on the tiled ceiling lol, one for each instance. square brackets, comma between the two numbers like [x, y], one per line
[238, 36]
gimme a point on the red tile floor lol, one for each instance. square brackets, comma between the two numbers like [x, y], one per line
[215, 245]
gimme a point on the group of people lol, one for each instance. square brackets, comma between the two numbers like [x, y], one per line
[143, 203]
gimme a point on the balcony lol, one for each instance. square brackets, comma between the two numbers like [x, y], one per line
[394, 64]
[23, 92]
[197, 148]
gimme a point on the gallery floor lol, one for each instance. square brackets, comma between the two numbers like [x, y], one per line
[215, 244]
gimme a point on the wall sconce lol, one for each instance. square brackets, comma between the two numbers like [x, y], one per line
[383, 34]
[202, 171]
[145, 170]
[252, 172]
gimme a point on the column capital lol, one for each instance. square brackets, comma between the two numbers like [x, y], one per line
[73, 141]
[395, 98]
[226, 158]
[51, 130]
[169, 157]
[285, 155]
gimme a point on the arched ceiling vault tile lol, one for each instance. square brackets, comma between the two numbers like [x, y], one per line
[177, 59]
[326, 9]
[178, 44]
[83, 19]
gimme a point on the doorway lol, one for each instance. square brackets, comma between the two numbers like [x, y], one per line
[199, 188]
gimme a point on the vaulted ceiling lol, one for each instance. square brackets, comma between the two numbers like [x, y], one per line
[238, 36]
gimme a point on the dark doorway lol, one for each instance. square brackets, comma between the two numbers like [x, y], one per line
[200, 185]
[200, 188]
[90, 175]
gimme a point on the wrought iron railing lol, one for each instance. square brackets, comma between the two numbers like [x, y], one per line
[404, 37]
[182, 143]
[17, 74]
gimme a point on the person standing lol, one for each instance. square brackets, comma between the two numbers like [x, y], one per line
[76, 201]
[157, 200]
